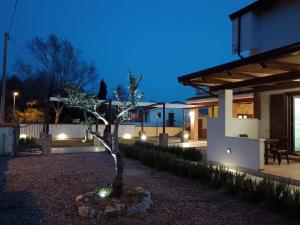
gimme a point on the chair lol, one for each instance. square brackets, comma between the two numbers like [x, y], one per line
[278, 147]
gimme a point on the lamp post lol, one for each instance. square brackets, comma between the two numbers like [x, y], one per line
[15, 93]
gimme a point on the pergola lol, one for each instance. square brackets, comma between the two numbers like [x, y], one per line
[144, 105]
[273, 70]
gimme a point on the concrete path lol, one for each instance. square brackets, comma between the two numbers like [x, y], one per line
[85, 149]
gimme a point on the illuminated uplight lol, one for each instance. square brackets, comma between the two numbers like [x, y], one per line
[23, 136]
[104, 193]
[143, 137]
[16, 93]
[127, 136]
[62, 136]
[186, 136]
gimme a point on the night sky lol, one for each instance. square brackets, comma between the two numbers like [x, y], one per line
[161, 39]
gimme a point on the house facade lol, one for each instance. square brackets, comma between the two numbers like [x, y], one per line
[267, 40]
[207, 107]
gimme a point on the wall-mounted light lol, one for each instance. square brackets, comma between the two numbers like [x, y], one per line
[127, 136]
[228, 150]
[62, 136]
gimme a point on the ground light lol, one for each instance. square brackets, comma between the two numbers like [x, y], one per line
[23, 136]
[143, 137]
[127, 136]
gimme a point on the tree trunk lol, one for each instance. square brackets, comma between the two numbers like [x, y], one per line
[57, 115]
[117, 185]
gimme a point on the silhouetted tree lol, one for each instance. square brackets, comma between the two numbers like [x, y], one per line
[60, 64]
[102, 90]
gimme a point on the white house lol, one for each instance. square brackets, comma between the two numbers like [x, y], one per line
[266, 36]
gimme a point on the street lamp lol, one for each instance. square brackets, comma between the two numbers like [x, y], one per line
[15, 93]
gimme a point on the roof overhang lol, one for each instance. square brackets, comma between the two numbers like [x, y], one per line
[257, 5]
[277, 68]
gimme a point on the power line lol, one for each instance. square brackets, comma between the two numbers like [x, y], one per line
[13, 17]
[22, 47]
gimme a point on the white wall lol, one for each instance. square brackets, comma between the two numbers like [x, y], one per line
[70, 130]
[6, 140]
[245, 126]
[222, 134]
[269, 29]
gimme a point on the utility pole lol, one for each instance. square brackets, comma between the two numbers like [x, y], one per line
[2, 109]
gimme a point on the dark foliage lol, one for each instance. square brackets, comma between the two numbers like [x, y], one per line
[277, 195]
[102, 90]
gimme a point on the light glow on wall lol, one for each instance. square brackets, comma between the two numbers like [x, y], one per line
[127, 136]
[62, 136]
[23, 136]
[192, 116]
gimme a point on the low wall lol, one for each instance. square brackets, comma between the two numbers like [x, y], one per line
[244, 152]
[70, 130]
[154, 131]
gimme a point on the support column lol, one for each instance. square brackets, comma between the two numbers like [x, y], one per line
[225, 110]
[194, 117]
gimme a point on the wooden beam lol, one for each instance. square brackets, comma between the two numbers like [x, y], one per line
[217, 80]
[232, 74]
[282, 65]
[258, 81]
[286, 85]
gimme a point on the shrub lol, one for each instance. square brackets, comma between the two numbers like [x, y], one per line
[191, 154]
[275, 194]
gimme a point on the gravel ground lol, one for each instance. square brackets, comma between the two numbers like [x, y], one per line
[42, 189]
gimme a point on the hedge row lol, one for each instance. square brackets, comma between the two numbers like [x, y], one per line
[277, 195]
[191, 154]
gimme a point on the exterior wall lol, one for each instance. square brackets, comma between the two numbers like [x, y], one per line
[239, 124]
[153, 131]
[6, 140]
[242, 108]
[152, 120]
[269, 29]
[245, 126]
[70, 130]
[264, 123]
[223, 135]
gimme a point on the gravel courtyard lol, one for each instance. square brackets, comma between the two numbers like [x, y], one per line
[42, 189]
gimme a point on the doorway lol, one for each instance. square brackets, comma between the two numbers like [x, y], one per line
[296, 122]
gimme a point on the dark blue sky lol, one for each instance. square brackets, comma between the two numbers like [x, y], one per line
[162, 39]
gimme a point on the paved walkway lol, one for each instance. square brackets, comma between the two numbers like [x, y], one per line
[85, 149]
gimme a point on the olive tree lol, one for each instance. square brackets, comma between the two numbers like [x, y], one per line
[90, 104]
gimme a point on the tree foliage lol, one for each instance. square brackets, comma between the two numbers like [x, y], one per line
[90, 103]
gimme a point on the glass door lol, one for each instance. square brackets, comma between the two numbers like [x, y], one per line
[296, 106]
